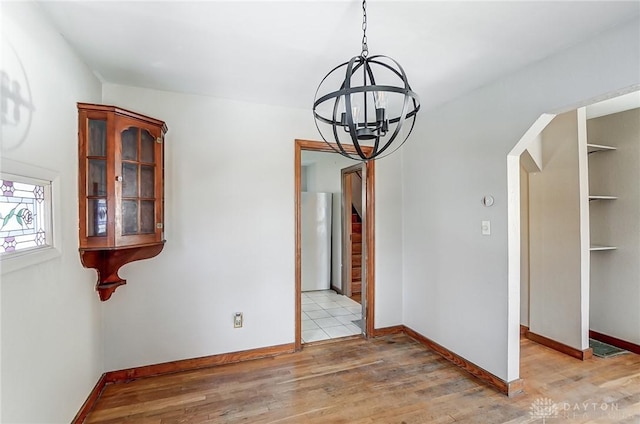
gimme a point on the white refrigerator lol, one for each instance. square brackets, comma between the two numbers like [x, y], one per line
[316, 241]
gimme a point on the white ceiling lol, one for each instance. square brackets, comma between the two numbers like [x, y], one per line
[276, 52]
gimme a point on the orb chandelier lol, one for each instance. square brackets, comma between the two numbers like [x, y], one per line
[370, 110]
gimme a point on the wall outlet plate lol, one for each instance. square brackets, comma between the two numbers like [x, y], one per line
[237, 320]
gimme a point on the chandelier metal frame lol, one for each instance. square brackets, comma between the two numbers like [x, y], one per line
[381, 131]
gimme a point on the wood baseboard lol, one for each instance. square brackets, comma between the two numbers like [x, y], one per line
[88, 404]
[523, 329]
[121, 376]
[560, 347]
[614, 341]
[386, 331]
[197, 363]
[510, 389]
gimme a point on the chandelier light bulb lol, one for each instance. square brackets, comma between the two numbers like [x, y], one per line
[380, 99]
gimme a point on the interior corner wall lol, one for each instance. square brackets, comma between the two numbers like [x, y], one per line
[555, 236]
[615, 274]
[229, 216]
[456, 286]
[51, 350]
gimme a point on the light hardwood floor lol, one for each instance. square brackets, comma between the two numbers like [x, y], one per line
[390, 379]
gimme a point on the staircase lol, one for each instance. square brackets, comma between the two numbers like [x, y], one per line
[356, 253]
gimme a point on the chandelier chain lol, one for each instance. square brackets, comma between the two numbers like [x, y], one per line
[365, 48]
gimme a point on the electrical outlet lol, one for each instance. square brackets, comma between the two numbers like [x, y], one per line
[237, 320]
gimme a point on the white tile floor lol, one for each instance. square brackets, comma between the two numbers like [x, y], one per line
[328, 315]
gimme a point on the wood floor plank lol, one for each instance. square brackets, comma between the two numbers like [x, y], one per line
[392, 379]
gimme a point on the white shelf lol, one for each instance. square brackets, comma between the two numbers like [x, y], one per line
[593, 148]
[600, 248]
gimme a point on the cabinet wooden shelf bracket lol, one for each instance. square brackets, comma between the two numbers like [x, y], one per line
[120, 190]
[108, 262]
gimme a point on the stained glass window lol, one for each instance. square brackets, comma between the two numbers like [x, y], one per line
[25, 218]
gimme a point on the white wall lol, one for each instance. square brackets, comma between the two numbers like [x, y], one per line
[456, 286]
[229, 229]
[615, 275]
[555, 236]
[389, 287]
[51, 323]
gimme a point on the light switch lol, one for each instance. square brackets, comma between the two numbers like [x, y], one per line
[486, 228]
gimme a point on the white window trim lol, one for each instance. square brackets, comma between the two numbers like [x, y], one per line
[21, 260]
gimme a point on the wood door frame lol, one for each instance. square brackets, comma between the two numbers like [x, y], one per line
[345, 233]
[369, 240]
[346, 230]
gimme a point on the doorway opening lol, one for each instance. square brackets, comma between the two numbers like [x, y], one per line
[335, 294]
[565, 181]
[353, 220]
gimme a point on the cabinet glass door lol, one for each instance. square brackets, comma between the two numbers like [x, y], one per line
[138, 182]
[97, 178]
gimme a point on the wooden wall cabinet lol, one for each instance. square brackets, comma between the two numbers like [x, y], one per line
[121, 190]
